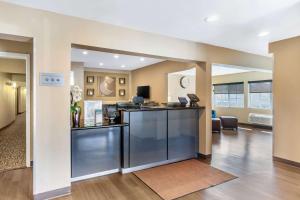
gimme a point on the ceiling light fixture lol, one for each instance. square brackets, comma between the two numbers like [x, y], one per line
[212, 18]
[263, 33]
[85, 52]
[123, 66]
[116, 56]
[142, 59]
[101, 64]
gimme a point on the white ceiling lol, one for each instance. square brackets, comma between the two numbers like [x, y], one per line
[124, 62]
[221, 69]
[240, 20]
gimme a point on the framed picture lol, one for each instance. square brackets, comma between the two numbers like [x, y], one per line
[107, 86]
[90, 79]
[122, 92]
[90, 92]
[122, 81]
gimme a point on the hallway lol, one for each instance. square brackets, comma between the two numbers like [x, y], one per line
[13, 144]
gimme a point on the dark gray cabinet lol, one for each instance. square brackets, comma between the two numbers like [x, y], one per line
[148, 137]
[182, 133]
[95, 150]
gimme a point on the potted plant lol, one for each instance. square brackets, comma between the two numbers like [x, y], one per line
[76, 93]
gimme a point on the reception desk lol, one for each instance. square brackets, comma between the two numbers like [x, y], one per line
[159, 136]
[145, 138]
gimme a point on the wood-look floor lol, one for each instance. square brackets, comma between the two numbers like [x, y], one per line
[247, 155]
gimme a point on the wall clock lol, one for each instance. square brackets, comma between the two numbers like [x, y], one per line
[185, 82]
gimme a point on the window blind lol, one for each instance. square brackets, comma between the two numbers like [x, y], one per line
[229, 88]
[260, 86]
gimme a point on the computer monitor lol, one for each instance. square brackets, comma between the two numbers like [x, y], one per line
[143, 91]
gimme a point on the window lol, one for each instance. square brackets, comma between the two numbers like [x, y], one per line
[260, 94]
[72, 78]
[229, 95]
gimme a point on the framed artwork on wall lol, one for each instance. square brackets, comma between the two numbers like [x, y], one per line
[107, 86]
[90, 79]
[122, 81]
[122, 92]
[90, 92]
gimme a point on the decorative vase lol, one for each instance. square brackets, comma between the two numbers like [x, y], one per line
[76, 117]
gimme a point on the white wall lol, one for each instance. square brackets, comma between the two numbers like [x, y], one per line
[174, 88]
[7, 101]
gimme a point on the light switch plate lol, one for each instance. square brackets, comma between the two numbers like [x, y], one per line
[51, 79]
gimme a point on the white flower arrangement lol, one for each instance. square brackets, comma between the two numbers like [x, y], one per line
[76, 94]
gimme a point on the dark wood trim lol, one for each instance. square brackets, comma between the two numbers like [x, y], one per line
[256, 126]
[289, 162]
[203, 156]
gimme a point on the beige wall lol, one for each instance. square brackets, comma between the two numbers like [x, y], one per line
[8, 101]
[53, 35]
[156, 76]
[21, 99]
[12, 65]
[286, 87]
[241, 113]
[78, 70]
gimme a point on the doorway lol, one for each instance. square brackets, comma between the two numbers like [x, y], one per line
[15, 116]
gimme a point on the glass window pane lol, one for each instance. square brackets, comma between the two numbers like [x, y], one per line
[260, 100]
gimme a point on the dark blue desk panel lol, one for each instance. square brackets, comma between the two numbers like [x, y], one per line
[95, 150]
[147, 137]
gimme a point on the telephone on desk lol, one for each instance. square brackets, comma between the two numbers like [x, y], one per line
[193, 100]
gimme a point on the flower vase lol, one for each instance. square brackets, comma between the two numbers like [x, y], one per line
[76, 117]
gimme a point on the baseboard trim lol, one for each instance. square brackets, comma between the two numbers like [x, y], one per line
[156, 164]
[204, 156]
[4, 127]
[53, 194]
[104, 173]
[289, 162]
[256, 125]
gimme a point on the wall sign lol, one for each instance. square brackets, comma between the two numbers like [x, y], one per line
[51, 79]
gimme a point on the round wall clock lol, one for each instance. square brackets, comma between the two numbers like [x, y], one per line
[184, 82]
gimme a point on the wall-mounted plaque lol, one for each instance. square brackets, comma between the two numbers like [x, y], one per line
[122, 92]
[90, 79]
[107, 86]
[122, 81]
[90, 92]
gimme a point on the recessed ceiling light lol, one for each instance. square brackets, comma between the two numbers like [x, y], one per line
[263, 33]
[142, 59]
[116, 56]
[85, 52]
[101, 64]
[123, 66]
[212, 18]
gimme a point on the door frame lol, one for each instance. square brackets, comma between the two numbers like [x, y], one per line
[25, 57]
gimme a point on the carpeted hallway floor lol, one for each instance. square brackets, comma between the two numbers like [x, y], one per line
[13, 145]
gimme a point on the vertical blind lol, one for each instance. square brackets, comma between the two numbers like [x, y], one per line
[260, 86]
[229, 88]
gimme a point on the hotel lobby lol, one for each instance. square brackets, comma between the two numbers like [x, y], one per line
[118, 100]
